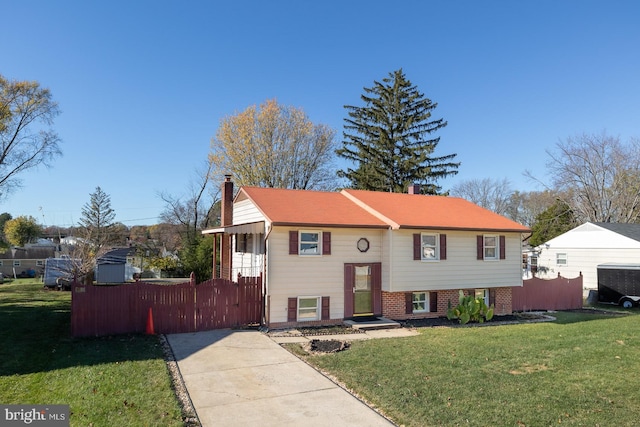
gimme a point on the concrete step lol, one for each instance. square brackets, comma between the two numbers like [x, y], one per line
[380, 323]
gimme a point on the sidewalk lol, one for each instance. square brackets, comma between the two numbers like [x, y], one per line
[239, 378]
[284, 338]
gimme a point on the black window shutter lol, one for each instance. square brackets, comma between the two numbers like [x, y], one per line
[433, 302]
[326, 243]
[292, 310]
[492, 297]
[443, 246]
[325, 308]
[503, 249]
[408, 302]
[416, 247]
[480, 247]
[293, 242]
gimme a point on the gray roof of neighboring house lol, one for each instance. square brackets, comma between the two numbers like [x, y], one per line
[117, 256]
[42, 252]
[631, 231]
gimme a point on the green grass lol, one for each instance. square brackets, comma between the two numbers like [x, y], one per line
[580, 370]
[112, 381]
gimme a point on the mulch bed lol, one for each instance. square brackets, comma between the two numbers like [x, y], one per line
[596, 311]
[444, 322]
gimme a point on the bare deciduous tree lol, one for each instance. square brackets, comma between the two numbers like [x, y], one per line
[191, 214]
[492, 194]
[525, 206]
[274, 146]
[195, 211]
[601, 176]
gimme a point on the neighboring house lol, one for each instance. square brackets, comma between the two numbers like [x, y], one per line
[329, 256]
[583, 248]
[116, 266]
[27, 261]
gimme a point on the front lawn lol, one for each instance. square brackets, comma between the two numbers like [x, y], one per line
[113, 381]
[575, 371]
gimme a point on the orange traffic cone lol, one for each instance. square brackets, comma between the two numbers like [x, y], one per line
[150, 330]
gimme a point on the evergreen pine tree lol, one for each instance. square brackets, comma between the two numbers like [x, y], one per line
[389, 139]
[554, 221]
[98, 219]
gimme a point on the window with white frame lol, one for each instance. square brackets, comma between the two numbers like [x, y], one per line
[420, 302]
[483, 294]
[308, 308]
[16, 263]
[310, 243]
[490, 247]
[39, 263]
[561, 258]
[430, 246]
[1, 263]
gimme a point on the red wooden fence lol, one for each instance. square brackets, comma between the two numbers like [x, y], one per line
[98, 310]
[555, 294]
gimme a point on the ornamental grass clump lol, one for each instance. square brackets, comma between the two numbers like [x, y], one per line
[470, 309]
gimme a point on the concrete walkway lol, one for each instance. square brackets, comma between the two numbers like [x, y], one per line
[240, 378]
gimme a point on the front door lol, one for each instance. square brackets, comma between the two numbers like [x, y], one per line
[362, 289]
[362, 295]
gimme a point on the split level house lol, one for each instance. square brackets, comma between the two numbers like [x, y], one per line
[329, 256]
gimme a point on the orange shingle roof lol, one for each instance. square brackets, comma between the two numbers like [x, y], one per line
[305, 207]
[358, 208]
[420, 211]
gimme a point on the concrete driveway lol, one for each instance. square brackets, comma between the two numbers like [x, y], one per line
[240, 378]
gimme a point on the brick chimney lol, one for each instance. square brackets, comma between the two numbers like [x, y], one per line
[226, 211]
[414, 189]
[226, 219]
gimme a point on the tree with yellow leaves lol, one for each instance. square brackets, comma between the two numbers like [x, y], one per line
[26, 139]
[272, 145]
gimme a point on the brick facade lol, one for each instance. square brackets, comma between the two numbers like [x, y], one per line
[503, 302]
[393, 304]
[394, 307]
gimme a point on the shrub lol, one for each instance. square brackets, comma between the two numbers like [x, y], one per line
[470, 309]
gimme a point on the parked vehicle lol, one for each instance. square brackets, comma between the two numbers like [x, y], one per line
[619, 283]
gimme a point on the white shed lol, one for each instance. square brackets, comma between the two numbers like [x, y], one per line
[584, 247]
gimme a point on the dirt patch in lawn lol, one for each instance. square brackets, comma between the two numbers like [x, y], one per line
[327, 346]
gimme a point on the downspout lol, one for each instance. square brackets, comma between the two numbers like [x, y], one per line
[265, 282]
[390, 248]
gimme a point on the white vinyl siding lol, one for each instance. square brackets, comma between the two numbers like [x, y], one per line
[586, 246]
[583, 260]
[290, 276]
[248, 263]
[462, 270]
[245, 212]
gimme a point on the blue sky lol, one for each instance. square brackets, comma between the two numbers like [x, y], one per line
[143, 85]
